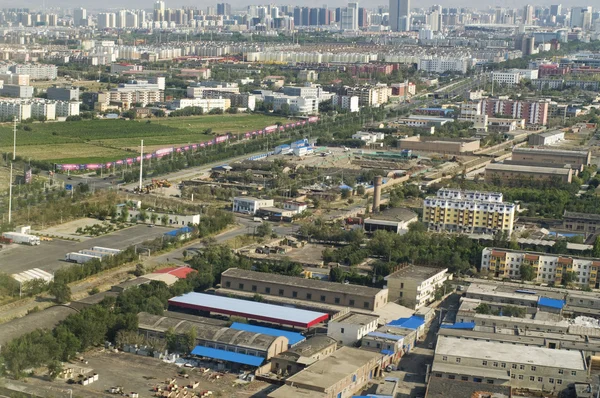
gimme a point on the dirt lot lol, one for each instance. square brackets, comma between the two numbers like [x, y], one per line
[140, 374]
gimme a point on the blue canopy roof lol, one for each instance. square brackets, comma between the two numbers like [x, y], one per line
[414, 322]
[293, 337]
[345, 187]
[460, 325]
[387, 352]
[552, 303]
[223, 355]
[182, 230]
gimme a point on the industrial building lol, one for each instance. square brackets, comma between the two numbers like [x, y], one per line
[547, 267]
[355, 296]
[279, 315]
[302, 355]
[341, 374]
[552, 156]
[415, 286]
[547, 138]
[468, 213]
[508, 172]
[506, 364]
[394, 220]
[583, 223]
[446, 146]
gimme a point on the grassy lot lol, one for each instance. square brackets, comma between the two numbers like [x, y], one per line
[106, 140]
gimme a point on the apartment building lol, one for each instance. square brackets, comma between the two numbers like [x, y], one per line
[351, 103]
[35, 71]
[355, 296]
[370, 95]
[301, 105]
[534, 112]
[244, 100]
[130, 96]
[67, 108]
[15, 78]
[547, 268]
[63, 93]
[444, 64]
[11, 109]
[514, 76]
[206, 104]
[250, 205]
[415, 286]
[45, 109]
[511, 172]
[518, 366]
[468, 212]
[16, 91]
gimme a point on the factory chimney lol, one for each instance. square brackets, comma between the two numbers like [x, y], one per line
[377, 193]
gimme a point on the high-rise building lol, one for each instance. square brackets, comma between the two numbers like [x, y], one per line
[324, 16]
[131, 20]
[581, 17]
[349, 17]
[313, 18]
[121, 19]
[80, 16]
[555, 10]
[103, 21]
[528, 14]
[159, 11]
[223, 9]
[400, 15]
[363, 18]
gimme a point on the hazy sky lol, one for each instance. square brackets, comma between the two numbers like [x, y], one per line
[147, 4]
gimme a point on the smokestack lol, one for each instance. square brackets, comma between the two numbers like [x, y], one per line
[377, 193]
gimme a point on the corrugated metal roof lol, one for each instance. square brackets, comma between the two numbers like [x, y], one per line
[293, 337]
[228, 356]
[249, 309]
[414, 322]
[552, 303]
[182, 230]
[32, 274]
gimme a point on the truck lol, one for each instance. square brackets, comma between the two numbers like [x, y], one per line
[95, 253]
[80, 258]
[106, 250]
[24, 239]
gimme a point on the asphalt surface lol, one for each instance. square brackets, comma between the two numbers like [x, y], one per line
[49, 256]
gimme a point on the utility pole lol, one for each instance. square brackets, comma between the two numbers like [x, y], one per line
[141, 163]
[14, 137]
[10, 194]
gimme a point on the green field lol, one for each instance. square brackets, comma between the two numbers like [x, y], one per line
[107, 140]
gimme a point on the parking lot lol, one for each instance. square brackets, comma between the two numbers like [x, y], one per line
[49, 256]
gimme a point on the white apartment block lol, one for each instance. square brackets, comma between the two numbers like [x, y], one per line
[35, 71]
[45, 109]
[441, 65]
[351, 328]
[67, 108]
[351, 103]
[514, 76]
[302, 105]
[206, 104]
[15, 78]
[469, 110]
[370, 95]
[415, 286]
[10, 109]
[133, 96]
[547, 267]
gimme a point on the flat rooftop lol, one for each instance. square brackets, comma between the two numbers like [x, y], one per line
[354, 318]
[395, 214]
[249, 309]
[527, 169]
[302, 282]
[335, 368]
[581, 216]
[416, 272]
[439, 387]
[484, 350]
[551, 151]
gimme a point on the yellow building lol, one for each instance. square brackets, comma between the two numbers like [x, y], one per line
[468, 212]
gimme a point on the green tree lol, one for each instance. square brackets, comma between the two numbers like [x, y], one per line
[568, 278]
[596, 249]
[264, 230]
[171, 340]
[189, 339]
[139, 270]
[143, 215]
[153, 218]
[54, 369]
[336, 274]
[164, 219]
[527, 272]
[512, 310]
[124, 214]
[483, 308]
[61, 292]
[346, 193]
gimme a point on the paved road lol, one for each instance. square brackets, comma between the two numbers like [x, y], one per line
[49, 256]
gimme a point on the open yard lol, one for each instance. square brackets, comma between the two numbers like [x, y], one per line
[107, 140]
